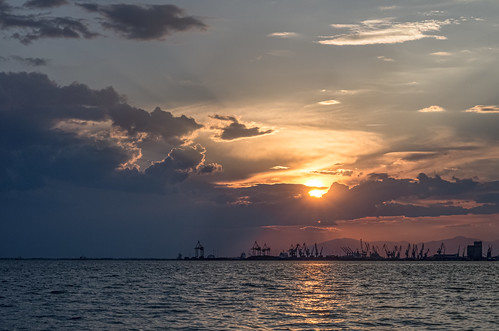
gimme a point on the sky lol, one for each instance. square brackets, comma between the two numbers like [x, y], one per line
[136, 128]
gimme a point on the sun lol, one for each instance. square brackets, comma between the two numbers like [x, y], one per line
[317, 193]
[319, 190]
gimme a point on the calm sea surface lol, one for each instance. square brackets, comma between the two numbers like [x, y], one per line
[248, 295]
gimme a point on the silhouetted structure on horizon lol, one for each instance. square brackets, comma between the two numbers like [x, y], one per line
[199, 251]
[366, 251]
[256, 250]
[474, 252]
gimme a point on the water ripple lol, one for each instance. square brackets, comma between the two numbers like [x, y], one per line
[248, 295]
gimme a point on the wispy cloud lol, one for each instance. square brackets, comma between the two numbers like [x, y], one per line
[384, 31]
[432, 109]
[481, 109]
[338, 172]
[385, 59]
[278, 167]
[328, 102]
[279, 52]
[30, 61]
[441, 54]
[351, 92]
[388, 7]
[283, 34]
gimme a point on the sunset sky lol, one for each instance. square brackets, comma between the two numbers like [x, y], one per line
[135, 128]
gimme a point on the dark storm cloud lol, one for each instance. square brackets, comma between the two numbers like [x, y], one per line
[145, 22]
[159, 122]
[210, 168]
[35, 96]
[4, 6]
[179, 163]
[236, 129]
[33, 153]
[45, 3]
[35, 147]
[27, 28]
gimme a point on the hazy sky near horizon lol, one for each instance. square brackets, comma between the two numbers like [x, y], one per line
[137, 128]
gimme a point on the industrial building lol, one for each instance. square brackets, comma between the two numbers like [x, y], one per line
[474, 252]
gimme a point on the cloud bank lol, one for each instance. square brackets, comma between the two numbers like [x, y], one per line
[378, 195]
[88, 137]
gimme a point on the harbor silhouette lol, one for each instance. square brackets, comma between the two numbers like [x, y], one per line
[364, 252]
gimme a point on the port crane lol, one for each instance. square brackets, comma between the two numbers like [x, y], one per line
[387, 251]
[256, 250]
[392, 254]
[199, 251]
[425, 256]
[348, 251]
[301, 250]
[375, 252]
[414, 251]
[293, 250]
[363, 250]
[407, 251]
[441, 249]
[420, 256]
[315, 251]
[306, 251]
[265, 250]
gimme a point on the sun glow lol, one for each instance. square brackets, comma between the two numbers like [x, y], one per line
[317, 193]
[319, 188]
[314, 183]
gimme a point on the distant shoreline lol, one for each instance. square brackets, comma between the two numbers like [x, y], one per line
[261, 258]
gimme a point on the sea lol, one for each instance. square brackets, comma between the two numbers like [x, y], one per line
[248, 295]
